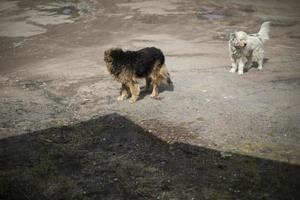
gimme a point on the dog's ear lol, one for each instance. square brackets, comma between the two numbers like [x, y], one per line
[232, 36]
[107, 52]
[113, 53]
[116, 53]
[107, 55]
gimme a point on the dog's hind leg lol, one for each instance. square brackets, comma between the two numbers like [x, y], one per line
[155, 90]
[249, 63]
[258, 55]
[124, 93]
[135, 91]
[260, 60]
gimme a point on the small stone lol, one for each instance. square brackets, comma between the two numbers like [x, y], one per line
[66, 11]
[163, 162]
[128, 17]
[48, 140]
[225, 154]
[85, 101]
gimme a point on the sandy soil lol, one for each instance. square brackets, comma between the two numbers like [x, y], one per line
[53, 75]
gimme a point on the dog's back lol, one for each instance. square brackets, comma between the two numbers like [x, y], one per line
[140, 63]
[149, 53]
[146, 59]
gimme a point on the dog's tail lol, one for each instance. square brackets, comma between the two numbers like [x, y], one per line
[264, 31]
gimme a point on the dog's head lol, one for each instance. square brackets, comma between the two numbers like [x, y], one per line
[111, 54]
[170, 82]
[166, 78]
[238, 39]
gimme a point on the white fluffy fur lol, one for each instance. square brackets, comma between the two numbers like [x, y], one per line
[247, 48]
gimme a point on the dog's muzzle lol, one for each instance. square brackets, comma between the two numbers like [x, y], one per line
[170, 83]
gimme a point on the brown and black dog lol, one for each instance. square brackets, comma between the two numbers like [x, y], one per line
[128, 66]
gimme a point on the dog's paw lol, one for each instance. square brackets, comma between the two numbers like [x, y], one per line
[120, 98]
[259, 68]
[157, 98]
[232, 70]
[240, 73]
[153, 96]
[133, 99]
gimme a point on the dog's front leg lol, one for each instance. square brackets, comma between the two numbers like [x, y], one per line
[135, 91]
[124, 93]
[241, 66]
[233, 68]
[233, 65]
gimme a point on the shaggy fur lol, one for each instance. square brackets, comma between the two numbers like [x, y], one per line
[128, 66]
[247, 48]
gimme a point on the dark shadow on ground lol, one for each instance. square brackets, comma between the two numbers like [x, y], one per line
[255, 65]
[112, 158]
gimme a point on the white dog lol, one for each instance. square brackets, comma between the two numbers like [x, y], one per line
[245, 49]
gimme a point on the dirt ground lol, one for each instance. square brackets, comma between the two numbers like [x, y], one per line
[217, 135]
